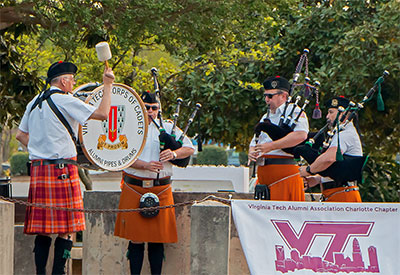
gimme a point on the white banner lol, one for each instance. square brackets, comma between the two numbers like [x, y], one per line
[319, 238]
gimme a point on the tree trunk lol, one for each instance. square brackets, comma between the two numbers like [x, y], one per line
[6, 143]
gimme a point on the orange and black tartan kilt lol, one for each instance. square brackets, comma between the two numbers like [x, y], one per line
[46, 188]
[133, 226]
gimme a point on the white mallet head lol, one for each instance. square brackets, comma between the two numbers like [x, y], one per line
[103, 51]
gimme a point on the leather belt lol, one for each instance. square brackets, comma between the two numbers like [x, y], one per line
[279, 161]
[139, 182]
[61, 162]
[332, 184]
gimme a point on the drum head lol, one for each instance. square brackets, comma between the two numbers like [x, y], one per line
[114, 144]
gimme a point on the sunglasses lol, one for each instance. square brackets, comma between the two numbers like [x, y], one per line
[270, 96]
[153, 107]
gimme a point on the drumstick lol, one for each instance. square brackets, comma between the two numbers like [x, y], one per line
[103, 52]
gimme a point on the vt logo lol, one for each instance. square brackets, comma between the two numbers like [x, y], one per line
[333, 259]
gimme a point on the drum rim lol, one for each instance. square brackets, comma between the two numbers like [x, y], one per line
[86, 85]
[146, 119]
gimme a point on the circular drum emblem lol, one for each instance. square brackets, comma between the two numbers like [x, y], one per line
[114, 144]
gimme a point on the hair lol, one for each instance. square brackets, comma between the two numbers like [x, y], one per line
[56, 79]
[286, 93]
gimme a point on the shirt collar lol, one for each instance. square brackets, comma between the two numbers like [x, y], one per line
[280, 109]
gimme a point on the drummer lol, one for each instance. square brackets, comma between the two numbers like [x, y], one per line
[48, 129]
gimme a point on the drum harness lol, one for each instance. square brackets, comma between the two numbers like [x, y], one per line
[60, 162]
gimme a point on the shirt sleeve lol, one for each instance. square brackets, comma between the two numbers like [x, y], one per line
[76, 108]
[342, 140]
[302, 124]
[24, 125]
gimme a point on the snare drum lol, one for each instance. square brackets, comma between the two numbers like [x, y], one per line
[113, 144]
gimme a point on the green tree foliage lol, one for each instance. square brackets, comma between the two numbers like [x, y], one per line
[212, 155]
[221, 51]
[381, 176]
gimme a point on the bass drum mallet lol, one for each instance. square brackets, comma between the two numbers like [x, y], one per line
[103, 52]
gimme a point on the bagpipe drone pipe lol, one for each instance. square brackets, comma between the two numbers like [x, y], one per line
[295, 111]
[169, 140]
[345, 168]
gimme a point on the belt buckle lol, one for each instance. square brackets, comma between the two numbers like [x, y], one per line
[147, 183]
[60, 166]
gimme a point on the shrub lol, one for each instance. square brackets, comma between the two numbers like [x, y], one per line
[381, 180]
[18, 163]
[243, 158]
[212, 155]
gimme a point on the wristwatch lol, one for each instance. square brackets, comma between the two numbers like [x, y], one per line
[175, 155]
[308, 170]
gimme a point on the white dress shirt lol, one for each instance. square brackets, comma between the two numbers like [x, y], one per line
[48, 137]
[302, 125]
[151, 151]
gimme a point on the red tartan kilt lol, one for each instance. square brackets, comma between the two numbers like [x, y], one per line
[46, 188]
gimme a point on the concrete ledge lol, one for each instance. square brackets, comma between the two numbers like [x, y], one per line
[6, 237]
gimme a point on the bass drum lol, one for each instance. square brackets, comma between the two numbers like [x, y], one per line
[83, 92]
[113, 144]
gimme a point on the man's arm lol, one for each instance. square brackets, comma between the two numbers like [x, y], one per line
[180, 153]
[290, 140]
[101, 113]
[321, 163]
[22, 137]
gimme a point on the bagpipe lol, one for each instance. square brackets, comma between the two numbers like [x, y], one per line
[169, 140]
[289, 118]
[346, 168]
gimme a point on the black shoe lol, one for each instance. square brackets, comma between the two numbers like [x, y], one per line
[41, 250]
[156, 256]
[135, 256]
[62, 251]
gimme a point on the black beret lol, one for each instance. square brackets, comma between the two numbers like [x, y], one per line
[276, 82]
[149, 98]
[60, 68]
[337, 101]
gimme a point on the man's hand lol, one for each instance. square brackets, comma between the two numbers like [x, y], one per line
[154, 166]
[303, 172]
[253, 155]
[108, 76]
[264, 148]
[312, 181]
[166, 155]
